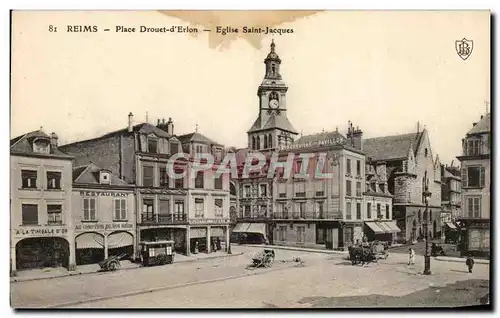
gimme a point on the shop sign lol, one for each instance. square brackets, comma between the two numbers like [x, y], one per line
[103, 226]
[102, 194]
[209, 221]
[41, 231]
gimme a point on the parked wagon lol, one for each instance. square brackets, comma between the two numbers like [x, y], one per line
[361, 254]
[112, 263]
[157, 253]
[263, 259]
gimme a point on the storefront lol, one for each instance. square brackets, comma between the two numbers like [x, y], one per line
[39, 247]
[209, 235]
[382, 231]
[95, 242]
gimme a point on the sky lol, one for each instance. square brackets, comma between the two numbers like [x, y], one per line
[384, 71]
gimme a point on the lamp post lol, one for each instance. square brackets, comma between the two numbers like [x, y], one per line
[427, 257]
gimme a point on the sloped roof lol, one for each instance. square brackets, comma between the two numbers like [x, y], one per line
[483, 126]
[197, 137]
[22, 145]
[274, 121]
[89, 174]
[391, 147]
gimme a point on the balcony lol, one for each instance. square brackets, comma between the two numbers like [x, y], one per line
[304, 216]
[254, 217]
[161, 219]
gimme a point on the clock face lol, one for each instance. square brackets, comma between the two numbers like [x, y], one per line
[273, 103]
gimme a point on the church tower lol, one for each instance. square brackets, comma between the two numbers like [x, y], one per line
[272, 129]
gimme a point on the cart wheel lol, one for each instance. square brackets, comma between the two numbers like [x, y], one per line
[113, 265]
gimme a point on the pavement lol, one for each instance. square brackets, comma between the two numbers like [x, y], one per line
[48, 273]
[227, 283]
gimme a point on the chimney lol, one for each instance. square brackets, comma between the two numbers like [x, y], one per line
[158, 124]
[163, 121]
[170, 126]
[53, 140]
[357, 136]
[130, 120]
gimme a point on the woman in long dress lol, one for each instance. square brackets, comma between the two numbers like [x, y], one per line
[411, 257]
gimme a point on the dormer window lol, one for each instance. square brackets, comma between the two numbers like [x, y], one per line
[152, 145]
[41, 145]
[104, 177]
[174, 148]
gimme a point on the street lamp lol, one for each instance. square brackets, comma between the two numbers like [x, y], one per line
[427, 257]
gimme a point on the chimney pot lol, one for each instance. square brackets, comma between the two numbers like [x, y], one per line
[158, 122]
[130, 120]
[53, 139]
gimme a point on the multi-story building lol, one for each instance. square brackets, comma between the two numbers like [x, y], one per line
[103, 215]
[476, 186]
[409, 161]
[40, 203]
[166, 206]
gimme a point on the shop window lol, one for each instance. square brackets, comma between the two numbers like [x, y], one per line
[29, 178]
[218, 207]
[53, 180]
[120, 209]
[54, 214]
[89, 209]
[30, 214]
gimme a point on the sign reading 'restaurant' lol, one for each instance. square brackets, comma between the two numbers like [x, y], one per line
[102, 194]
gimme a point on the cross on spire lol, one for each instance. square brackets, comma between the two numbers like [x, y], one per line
[272, 45]
[196, 128]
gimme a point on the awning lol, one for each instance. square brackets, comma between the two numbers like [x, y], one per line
[257, 228]
[451, 225]
[89, 240]
[375, 228]
[120, 239]
[241, 227]
[389, 227]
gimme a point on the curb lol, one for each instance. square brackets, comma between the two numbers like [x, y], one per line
[291, 248]
[14, 280]
[460, 260]
[152, 290]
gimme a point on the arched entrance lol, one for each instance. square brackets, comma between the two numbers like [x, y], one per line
[42, 252]
[89, 248]
[120, 242]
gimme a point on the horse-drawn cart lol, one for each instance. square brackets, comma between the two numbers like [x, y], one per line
[263, 259]
[368, 252]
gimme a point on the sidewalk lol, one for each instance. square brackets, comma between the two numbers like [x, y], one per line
[460, 260]
[48, 273]
[301, 249]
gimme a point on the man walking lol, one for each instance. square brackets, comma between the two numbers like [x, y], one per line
[470, 263]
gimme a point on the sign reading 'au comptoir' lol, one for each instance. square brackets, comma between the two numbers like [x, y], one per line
[104, 226]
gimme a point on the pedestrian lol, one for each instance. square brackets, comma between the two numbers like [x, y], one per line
[411, 256]
[470, 263]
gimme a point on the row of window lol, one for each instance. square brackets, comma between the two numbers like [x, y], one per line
[473, 177]
[199, 182]
[267, 142]
[90, 209]
[153, 145]
[302, 194]
[358, 212]
[30, 214]
[30, 179]
[348, 187]
[472, 147]
[262, 211]
[149, 214]
[247, 191]
[349, 167]
[199, 207]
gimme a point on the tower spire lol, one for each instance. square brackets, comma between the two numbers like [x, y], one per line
[273, 46]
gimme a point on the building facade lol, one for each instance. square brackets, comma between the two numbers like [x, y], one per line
[103, 213]
[409, 161]
[40, 199]
[476, 186]
[166, 206]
